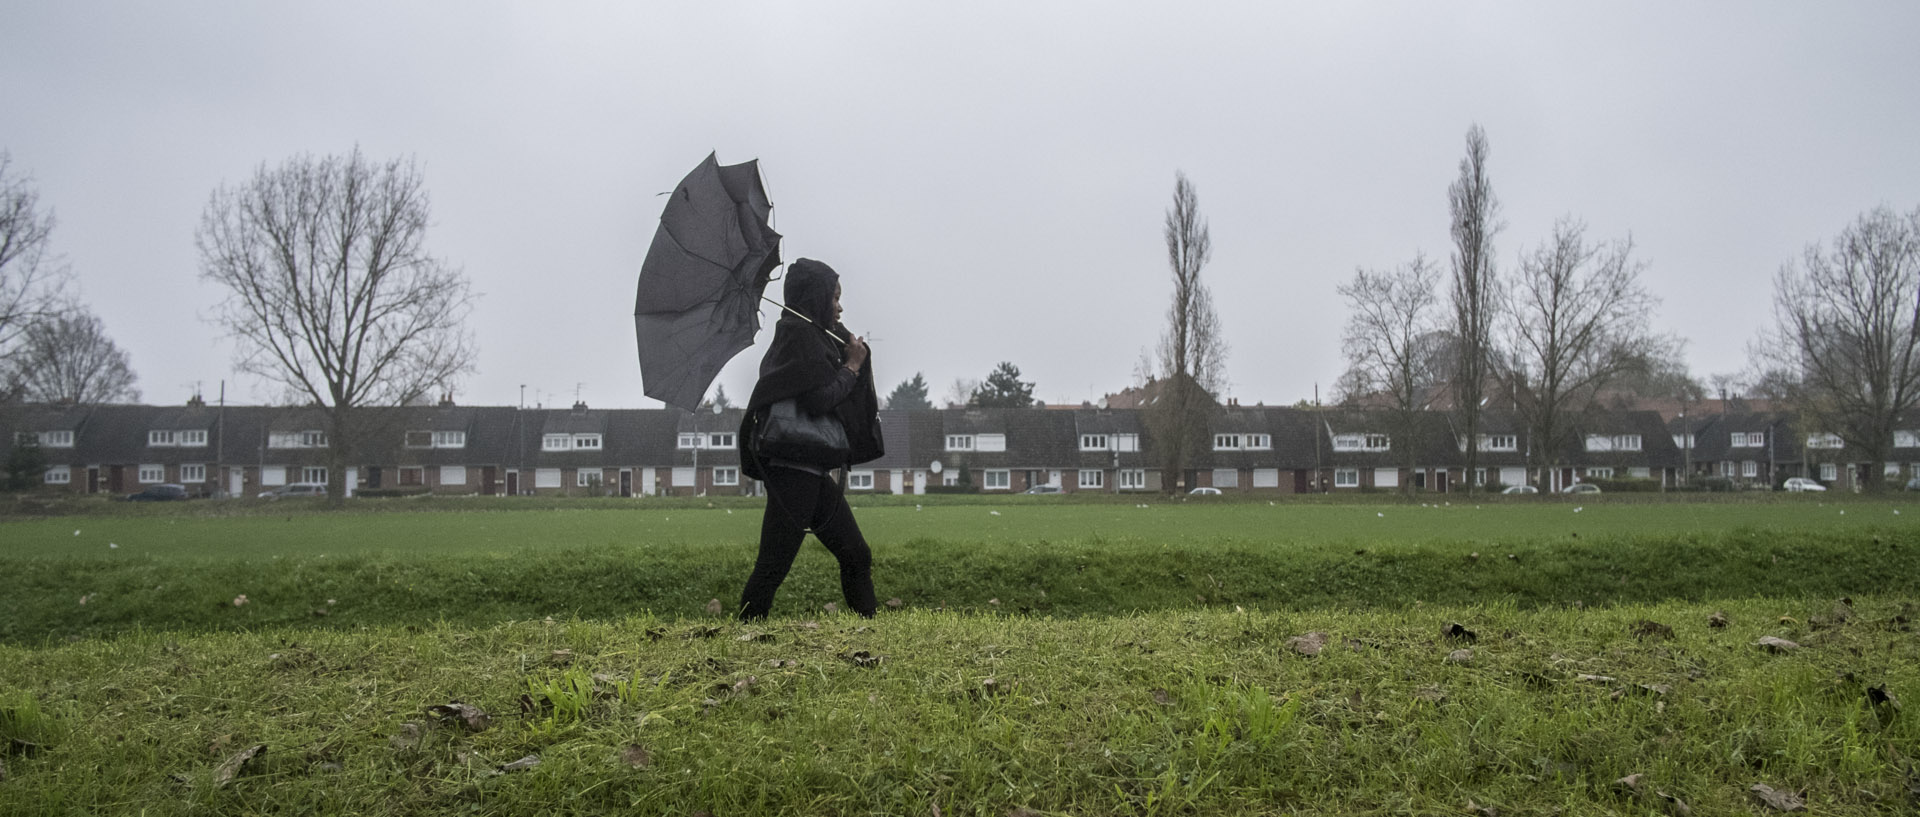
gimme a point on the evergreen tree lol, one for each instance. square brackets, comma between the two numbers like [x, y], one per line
[1003, 389]
[26, 465]
[910, 394]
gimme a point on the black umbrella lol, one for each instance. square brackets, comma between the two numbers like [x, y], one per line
[701, 284]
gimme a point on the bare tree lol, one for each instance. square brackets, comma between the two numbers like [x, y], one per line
[331, 292]
[1576, 319]
[69, 359]
[31, 276]
[1475, 296]
[1847, 333]
[1391, 330]
[1193, 350]
[960, 392]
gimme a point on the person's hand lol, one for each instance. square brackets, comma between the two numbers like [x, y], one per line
[856, 353]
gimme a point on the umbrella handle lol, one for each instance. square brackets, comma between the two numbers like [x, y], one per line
[790, 310]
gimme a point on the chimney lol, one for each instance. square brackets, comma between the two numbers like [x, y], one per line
[579, 405]
[446, 400]
[196, 402]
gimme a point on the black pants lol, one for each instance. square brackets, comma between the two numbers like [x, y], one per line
[798, 501]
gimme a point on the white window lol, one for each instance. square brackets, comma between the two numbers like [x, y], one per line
[297, 439]
[1499, 442]
[1683, 441]
[58, 475]
[1828, 472]
[1824, 441]
[1480, 475]
[990, 442]
[1346, 477]
[556, 442]
[1226, 477]
[153, 473]
[998, 479]
[949, 477]
[314, 474]
[1090, 478]
[1748, 439]
[1906, 439]
[1226, 442]
[1749, 469]
[546, 477]
[1266, 477]
[1599, 442]
[453, 475]
[720, 439]
[1258, 442]
[1600, 473]
[1126, 442]
[731, 476]
[1640, 473]
[683, 477]
[586, 478]
[271, 475]
[1133, 479]
[959, 442]
[450, 439]
[1360, 442]
[1386, 477]
[1093, 442]
[193, 473]
[1626, 442]
[160, 437]
[192, 437]
[860, 480]
[1892, 469]
[1726, 468]
[690, 441]
[56, 439]
[586, 442]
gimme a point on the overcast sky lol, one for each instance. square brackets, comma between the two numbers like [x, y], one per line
[989, 178]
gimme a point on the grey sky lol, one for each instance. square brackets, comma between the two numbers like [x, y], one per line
[989, 178]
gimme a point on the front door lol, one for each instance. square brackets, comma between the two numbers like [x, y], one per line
[236, 481]
[488, 475]
[1440, 481]
[116, 478]
[93, 479]
[626, 482]
[513, 483]
[373, 476]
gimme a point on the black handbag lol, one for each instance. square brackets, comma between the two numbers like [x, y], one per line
[787, 433]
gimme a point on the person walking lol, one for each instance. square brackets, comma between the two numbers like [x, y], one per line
[816, 362]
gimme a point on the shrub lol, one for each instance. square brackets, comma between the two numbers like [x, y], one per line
[1627, 486]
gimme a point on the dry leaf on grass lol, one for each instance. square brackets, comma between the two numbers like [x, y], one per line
[1775, 799]
[1162, 697]
[1462, 656]
[1717, 621]
[636, 756]
[1630, 783]
[862, 658]
[472, 717]
[895, 604]
[1454, 632]
[1879, 697]
[755, 637]
[1647, 628]
[1674, 805]
[1430, 694]
[520, 765]
[1308, 645]
[1775, 645]
[408, 738]
[714, 608]
[234, 765]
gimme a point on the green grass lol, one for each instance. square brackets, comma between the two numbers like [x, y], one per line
[1067, 658]
[344, 570]
[1165, 713]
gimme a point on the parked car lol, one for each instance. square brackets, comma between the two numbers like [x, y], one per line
[1520, 489]
[1913, 484]
[1043, 489]
[295, 490]
[1204, 491]
[165, 492]
[1798, 484]
[1582, 488]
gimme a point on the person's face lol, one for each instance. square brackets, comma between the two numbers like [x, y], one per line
[836, 303]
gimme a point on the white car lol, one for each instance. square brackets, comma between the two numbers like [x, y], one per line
[295, 490]
[1799, 484]
[1581, 488]
[1520, 489]
[1204, 491]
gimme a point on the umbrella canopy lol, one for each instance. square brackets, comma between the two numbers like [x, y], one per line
[700, 286]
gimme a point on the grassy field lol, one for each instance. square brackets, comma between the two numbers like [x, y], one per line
[1062, 658]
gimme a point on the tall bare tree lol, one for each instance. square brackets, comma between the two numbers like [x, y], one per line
[1475, 293]
[70, 359]
[32, 278]
[331, 292]
[1847, 333]
[1192, 351]
[1393, 324]
[1577, 317]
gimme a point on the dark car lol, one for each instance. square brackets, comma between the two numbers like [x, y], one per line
[167, 492]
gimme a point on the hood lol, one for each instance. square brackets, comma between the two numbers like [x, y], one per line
[809, 290]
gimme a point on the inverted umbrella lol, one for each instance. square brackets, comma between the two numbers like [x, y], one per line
[700, 286]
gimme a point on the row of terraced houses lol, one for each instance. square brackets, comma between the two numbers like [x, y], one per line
[243, 450]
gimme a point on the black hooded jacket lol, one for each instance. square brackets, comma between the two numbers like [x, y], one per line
[805, 363]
